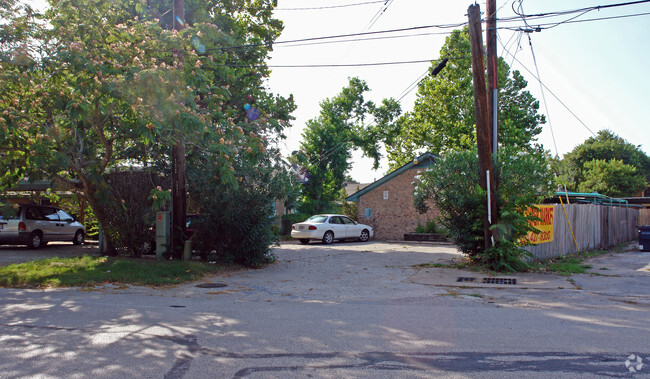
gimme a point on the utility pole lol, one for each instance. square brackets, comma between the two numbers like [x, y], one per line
[178, 161]
[483, 140]
[493, 85]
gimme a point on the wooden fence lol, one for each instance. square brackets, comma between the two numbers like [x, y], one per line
[644, 216]
[594, 227]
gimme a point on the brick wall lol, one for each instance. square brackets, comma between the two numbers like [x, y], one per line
[391, 208]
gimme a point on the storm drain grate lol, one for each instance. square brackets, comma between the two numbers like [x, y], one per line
[507, 281]
[465, 279]
[211, 285]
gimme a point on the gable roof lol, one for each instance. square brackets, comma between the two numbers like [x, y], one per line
[423, 161]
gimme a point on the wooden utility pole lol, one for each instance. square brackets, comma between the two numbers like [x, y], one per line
[482, 119]
[178, 161]
[491, 41]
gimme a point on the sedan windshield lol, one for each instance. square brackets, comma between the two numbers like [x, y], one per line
[316, 219]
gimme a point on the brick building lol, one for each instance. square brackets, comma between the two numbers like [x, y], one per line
[387, 204]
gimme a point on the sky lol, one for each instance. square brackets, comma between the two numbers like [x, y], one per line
[595, 72]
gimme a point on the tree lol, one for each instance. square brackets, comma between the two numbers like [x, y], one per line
[616, 157]
[611, 178]
[443, 116]
[329, 139]
[107, 87]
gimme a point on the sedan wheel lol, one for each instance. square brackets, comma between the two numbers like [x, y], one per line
[365, 236]
[328, 238]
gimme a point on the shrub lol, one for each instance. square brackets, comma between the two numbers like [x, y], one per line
[452, 183]
[290, 219]
[429, 227]
[236, 217]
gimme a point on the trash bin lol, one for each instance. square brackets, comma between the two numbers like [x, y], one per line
[644, 238]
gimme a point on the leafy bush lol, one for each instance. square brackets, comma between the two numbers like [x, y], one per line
[290, 219]
[452, 183]
[236, 218]
[429, 227]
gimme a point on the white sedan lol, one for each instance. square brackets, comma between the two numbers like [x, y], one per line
[329, 227]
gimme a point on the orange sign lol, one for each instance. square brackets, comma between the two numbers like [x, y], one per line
[545, 224]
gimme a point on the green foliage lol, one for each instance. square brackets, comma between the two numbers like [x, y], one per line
[290, 219]
[160, 198]
[236, 220]
[452, 184]
[108, 85]
[611, 178]
[329, 139]
[506, 253]
[443, 116]
[429, 227]
[606, 164]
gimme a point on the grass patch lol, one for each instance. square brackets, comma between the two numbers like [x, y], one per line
[459, 264]
[570, 264]
[87, 271]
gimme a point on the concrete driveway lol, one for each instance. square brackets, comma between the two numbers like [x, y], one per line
[357, 310]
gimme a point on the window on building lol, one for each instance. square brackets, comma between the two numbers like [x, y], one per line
[385, 195]
[368, 212]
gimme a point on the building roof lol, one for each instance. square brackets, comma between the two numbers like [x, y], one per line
[423, 161]
[351, 187]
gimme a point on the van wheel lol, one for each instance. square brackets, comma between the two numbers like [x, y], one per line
[78, 238]
[35, 240]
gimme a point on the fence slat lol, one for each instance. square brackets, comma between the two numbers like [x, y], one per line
[594, 227]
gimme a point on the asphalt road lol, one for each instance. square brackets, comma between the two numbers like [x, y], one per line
[357, 310]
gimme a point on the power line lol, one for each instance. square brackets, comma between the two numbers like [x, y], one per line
[330, 6]
[368, 39]
[548, 115]
[379, 14]
[345, 64]
[596, 7]
[440, 26]
[552, 93]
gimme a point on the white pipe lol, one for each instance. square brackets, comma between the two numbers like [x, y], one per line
[487, 178]
[495, 114]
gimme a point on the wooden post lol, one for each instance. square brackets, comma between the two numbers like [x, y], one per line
[481, 113]
[178, 163]
[492, 79]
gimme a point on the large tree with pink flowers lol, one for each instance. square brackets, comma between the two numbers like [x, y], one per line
[89, 87]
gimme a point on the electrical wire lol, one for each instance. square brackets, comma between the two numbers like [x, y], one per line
[548, 115]
[554, 95]
[412, 86]
[345, 64]
[329, 6]
[439, 26]
[368, 39]
[596, 7]
[378, 15]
